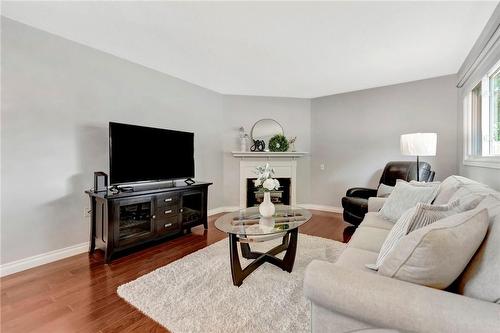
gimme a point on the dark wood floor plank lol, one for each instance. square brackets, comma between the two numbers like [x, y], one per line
[31, 322]
[78, 294]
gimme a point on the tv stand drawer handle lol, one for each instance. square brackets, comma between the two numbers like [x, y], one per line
[168, 211]
[168, 225]
[168, 199]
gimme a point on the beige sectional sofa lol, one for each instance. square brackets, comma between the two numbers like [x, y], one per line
[348, 297]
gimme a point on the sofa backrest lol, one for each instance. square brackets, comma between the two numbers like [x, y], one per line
[481, 277]
[449, 187]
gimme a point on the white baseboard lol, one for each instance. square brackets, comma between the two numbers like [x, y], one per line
[41, 259]
[323, 208]
[48, 257]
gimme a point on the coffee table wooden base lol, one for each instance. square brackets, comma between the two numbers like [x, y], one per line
[289, 244]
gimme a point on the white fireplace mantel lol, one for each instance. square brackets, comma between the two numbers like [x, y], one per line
[269, 154]
[283, 163]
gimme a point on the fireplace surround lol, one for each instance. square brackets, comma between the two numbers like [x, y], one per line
[283, 163]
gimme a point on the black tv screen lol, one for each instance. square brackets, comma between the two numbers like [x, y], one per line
[138, 153]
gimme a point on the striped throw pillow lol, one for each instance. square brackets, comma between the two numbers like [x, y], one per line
[413, 219]
[426, 214]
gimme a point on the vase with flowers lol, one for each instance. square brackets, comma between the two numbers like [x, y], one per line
[266, 182]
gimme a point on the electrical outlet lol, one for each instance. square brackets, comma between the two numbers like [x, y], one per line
[322, 166]
[86, 212]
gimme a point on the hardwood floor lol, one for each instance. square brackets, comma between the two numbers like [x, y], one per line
[78, 294]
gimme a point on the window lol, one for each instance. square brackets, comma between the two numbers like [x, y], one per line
[475, 118]
[495, 114]
[482, 122]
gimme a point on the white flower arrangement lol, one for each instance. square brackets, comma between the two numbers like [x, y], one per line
[265, 178]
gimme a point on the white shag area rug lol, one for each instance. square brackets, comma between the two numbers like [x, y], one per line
[196, 292]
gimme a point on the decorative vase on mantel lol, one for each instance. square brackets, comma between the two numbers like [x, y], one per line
[266, 208]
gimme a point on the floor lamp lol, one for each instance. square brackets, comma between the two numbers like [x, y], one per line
[418, 144]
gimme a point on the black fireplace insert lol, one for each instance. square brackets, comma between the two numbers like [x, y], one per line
[278, 197]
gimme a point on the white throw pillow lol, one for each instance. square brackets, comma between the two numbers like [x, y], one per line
[383, 190]
[414, 182]
[446, 190]
[436, 255]
[405, 196]
[413, 219]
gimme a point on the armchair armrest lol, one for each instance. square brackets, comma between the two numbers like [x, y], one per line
[375, 203]
[361, 192]
[386, 302]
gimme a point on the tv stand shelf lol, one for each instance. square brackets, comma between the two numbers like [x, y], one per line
[122, 221]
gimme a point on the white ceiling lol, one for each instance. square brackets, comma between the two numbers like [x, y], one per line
[293, 49]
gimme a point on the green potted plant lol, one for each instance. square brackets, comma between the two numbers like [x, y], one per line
[278, 143]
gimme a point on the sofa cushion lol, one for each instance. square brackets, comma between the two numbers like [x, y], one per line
[375, 203]
[375, 220]
[436, 255]
[481, 277]
[383, 190]
[446, 189]
[471, 193]
[413, 219]
[368, 238]
[357, 259]
[405, 196]
[450, 186]
[322, 320]
[419, 183]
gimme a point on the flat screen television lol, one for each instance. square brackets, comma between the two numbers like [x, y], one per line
[141, 154]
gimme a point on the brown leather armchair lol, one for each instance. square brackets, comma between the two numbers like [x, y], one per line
[355, 203]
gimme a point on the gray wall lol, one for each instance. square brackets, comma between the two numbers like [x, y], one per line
[355, 134]
[294, 115]
[485, 175]
[57, 99]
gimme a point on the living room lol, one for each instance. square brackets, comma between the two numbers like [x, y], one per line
[250, 166]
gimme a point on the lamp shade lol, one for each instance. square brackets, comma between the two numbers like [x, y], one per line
[419, 144]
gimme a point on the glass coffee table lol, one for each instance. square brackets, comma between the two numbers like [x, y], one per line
[247, 226]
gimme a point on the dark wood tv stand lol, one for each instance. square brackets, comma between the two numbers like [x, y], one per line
[122, 221]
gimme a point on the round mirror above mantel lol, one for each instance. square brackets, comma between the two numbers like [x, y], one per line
[265, 129]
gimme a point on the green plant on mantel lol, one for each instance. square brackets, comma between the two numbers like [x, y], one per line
[278, 143]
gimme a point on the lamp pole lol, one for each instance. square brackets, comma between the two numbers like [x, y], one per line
[418, 173]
